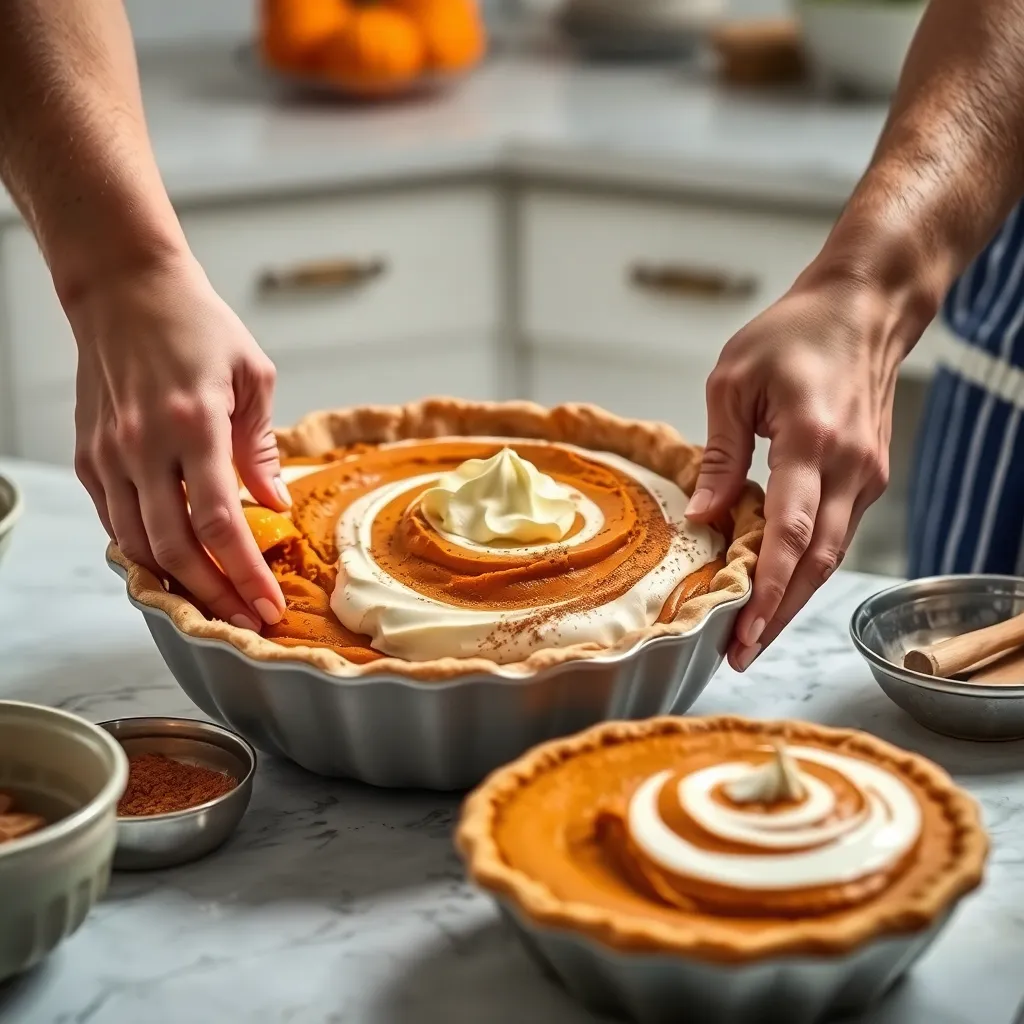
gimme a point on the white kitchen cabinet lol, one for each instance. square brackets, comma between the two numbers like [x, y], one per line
[383, 297]
[330, 273]
[40, 348]
[634, 384]
[659, 277]
[384, 374]
[37, 383]
[44, 424]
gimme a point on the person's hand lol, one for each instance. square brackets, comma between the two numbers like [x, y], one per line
[171, 390]
[815, 374]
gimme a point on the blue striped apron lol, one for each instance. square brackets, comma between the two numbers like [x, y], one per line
[967, 491]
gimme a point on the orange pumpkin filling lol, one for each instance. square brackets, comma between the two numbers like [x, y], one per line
[407, 547]
[570, 830]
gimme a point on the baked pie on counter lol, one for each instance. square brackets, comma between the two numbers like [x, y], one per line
[742, 862]
[444, 537]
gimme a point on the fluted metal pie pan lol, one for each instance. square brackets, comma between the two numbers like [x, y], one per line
[655, 968]
[446, 723]
[389, 730]
[668, 989]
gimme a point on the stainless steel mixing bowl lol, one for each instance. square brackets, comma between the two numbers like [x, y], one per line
[393, 731]
[166, 840]
[926, 611]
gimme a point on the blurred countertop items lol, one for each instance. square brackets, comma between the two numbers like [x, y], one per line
[220, 133]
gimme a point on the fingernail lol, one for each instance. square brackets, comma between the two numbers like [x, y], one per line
[699, 503]
[754, 632]
[269, 612]
[244, 622]
[746, 655]
[282, 491]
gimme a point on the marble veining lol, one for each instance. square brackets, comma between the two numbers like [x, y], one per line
[340, 903]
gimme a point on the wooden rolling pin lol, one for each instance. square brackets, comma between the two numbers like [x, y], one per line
[949, 657]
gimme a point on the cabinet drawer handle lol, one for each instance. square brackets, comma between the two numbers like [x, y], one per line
[678, 280]
[326, 274]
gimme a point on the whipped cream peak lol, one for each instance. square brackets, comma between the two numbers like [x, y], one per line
[811, 844]
[773, 782]
[404, 623]
[504, 497]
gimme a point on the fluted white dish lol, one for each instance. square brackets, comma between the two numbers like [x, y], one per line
[61, 766]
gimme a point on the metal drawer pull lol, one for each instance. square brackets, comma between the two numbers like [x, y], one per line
[670, 279]
[325, 274]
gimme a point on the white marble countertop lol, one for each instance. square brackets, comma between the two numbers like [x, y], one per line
[220, 133]
[338, 903]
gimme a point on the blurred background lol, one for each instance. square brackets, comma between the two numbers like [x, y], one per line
[562, 200]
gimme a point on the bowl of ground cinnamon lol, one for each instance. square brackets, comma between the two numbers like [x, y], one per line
[189, 784]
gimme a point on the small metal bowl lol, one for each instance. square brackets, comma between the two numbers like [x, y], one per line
[167, 840]
[926, 611]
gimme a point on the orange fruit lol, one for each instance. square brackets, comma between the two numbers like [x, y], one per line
[452, 30]
[268, 527]
[294, 32]
[378, 48]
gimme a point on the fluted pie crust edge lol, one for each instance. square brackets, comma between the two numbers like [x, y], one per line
[652, 445]
[707, 937]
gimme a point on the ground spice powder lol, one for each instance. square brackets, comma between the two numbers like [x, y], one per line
[158, 785]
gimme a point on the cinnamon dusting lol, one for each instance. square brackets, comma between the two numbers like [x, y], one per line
[557, 581]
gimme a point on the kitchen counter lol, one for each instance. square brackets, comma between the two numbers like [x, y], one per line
[219, 132]
[336, 902]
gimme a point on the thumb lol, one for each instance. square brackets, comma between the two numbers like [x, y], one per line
[254, 444]
[726, 461]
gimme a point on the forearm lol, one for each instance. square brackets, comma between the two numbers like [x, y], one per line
[74, 151]
[948, 167]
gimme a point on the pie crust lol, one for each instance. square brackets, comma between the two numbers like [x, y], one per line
[703, 935]
[652, 445]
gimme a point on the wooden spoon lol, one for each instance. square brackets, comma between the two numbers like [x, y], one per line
[949, 657]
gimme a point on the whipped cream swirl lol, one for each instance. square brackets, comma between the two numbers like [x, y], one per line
[404, 622]
[504, 497]
[776, 780]
[787, 848]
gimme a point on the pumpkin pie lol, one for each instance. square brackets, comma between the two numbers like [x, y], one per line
[446, 537]
[725, 844]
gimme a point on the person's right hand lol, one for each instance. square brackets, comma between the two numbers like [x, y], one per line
[816, 374]
[172, 389]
